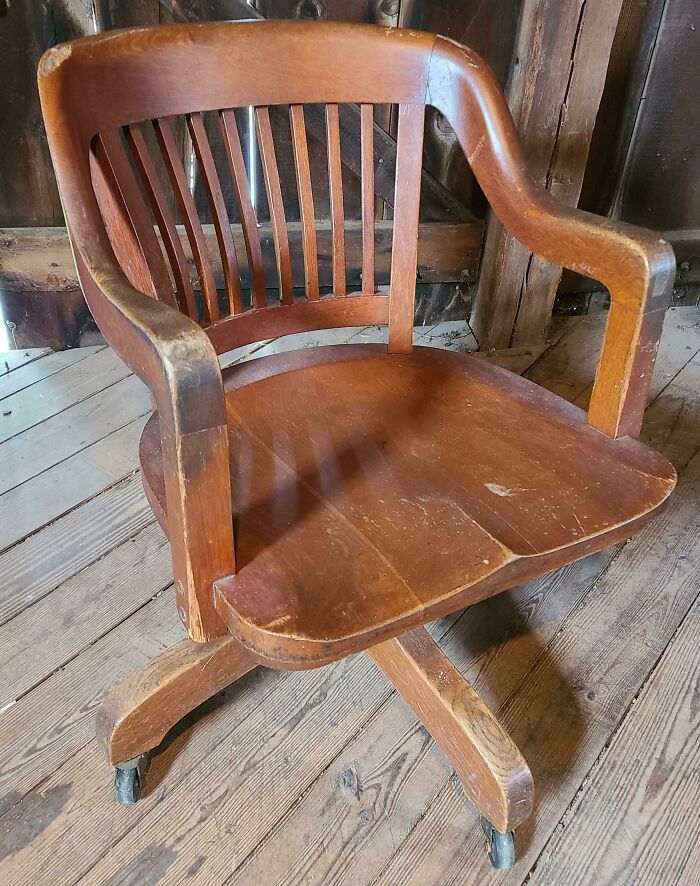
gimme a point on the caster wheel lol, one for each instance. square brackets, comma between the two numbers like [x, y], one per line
[130, 779]
[500, 847]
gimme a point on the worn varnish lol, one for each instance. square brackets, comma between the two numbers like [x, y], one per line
[319, 503]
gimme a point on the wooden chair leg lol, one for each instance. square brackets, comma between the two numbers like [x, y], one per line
[136, 715]
[495, 776]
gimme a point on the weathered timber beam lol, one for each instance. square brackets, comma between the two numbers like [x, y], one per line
[561, 58]
[686, 243]
[39, 259]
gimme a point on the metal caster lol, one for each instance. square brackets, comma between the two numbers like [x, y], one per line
[500, 847]
[130, 780]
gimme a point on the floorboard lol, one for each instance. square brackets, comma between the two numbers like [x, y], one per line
[26, 374]
[635, 819]
[74, 480]
[11, 360]
[52, 441]
[55, 553]
[325, 776]
[60, 391]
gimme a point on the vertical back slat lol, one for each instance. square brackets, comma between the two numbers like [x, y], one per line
[306, 199]
[335, 186]
[367, 171]
[188, 210]
[404, 256]
[117, 222]
[139, 216]
[234, 154]
[164, 217]
[222, 224]
[274, 199]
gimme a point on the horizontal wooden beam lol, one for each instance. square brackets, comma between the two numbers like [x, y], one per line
[686, 243]
[39, 259]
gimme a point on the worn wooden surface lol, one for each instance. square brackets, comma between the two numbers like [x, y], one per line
[326, 776]
[468, 527]
[40, 258]
[493, 773]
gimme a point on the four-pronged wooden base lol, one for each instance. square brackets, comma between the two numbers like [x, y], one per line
[135, 716]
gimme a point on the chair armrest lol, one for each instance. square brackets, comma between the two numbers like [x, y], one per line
[164, 348]
[175, 358]
[636, 265]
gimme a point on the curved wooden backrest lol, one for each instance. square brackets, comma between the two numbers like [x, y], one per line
[127, 93]
[99, 95]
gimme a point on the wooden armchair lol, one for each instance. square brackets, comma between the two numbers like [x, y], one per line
[331, 500]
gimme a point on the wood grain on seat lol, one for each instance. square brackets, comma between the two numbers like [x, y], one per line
[372, 492]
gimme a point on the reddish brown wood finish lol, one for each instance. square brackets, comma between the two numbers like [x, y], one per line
[188, 211]
[222, 225]
[136, 716]
[406, 205]
[635, 264]
[165, 220]
[234, 154]
[347, 473]
[493, 772]
[111, 152]
[306, 199]
[437, 478]
[274, 199]
[370, 492]
[335, 186]
[367, 141]
[118, 226]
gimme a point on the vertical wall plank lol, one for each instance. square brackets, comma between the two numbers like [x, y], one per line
[563, 48]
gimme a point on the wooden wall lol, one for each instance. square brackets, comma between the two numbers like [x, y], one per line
[643, 166]
[644, 162]
[28, 194]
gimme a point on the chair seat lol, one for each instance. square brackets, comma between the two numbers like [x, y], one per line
[373, 492]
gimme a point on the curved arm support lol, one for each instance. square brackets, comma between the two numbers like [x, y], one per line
[168, 351]
[635, 264]
[175, 358]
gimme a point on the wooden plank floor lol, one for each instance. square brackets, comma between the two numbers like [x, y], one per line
[325, 776]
